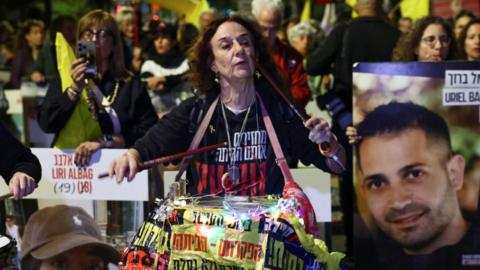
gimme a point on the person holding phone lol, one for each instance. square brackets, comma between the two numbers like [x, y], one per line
[105, 105]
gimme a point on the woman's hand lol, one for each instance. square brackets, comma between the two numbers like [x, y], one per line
[21, 184]
[37, 77]
[78, 74]
[319, 130]
[125, 166]
[156, 84]
[84, 152]
[352, 135]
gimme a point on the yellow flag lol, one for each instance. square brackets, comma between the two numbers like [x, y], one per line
[415, 9]
[81, 126]
[190, 8]
[305, 16]
[194, 15]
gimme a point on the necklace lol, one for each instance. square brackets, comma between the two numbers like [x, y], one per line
[233, 171]
[108, 100]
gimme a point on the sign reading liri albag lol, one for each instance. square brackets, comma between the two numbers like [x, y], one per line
[417, 165]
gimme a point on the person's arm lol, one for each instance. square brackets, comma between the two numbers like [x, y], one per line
[169, 135]
[306, 145]
[320, 61]
[56, 108]
[18, 166]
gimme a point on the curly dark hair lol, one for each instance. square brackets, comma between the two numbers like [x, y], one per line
[462, 54]
[407, 45]
[201, 54]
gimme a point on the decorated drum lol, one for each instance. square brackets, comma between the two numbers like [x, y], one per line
[226, 233]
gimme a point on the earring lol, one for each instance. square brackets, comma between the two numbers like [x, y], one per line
[258, 74]
[216, 78]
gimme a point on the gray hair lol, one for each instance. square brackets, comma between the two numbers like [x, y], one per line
[300, 29]
[260, 5]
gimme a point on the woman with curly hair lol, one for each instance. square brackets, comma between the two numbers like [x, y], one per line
[234, 96]
[431, 39]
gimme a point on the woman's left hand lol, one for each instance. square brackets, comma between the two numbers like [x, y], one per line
[84, 152]
[319, 130]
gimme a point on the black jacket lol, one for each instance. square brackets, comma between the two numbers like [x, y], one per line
[133, 106]
[364, 39]
[17, 158]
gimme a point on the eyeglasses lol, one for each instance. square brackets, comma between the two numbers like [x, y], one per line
[430, 40]
[99, 34]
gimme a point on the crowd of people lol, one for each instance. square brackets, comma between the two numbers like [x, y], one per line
[176, 87]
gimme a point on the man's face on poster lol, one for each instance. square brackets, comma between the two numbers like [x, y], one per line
[409, 185]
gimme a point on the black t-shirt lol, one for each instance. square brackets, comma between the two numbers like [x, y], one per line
[463, 255]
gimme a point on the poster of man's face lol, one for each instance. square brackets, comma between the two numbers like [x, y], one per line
[416, 166]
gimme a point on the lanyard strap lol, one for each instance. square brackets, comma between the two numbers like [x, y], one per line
[197, 138]
[272, 135]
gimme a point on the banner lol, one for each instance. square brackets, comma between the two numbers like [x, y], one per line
[410, 186]
[201, 237]
[62, 179]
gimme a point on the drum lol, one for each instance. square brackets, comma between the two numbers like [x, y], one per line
[8, 252]
[226, 233]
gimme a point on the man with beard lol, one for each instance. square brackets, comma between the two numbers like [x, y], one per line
[410, 177]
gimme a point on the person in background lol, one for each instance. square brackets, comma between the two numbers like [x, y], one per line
[461, 20]
[405, 24]
[206, 17]
[187, 35]
[29, 43]
[269, 14]
[111, 109]
[303, 37]
[132, 54]
[45, 67]
[431, 39]
[164, 70]
[65, 238]
[469, 41]
[6, 46]
[282, 34]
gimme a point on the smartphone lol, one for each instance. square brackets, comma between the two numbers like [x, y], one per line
[86, 49]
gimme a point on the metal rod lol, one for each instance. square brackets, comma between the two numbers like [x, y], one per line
[6, 196]
[153, 162]
[267, 75]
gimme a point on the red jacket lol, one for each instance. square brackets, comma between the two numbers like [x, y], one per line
[290, 63]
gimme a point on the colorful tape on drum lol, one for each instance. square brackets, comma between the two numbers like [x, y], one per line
[226, 233]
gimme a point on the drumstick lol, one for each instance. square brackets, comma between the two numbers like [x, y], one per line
[279, 91]
[153, 162]
[6, 196]
[302, 114]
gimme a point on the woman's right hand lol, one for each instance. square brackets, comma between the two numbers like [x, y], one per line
[78, 74]
[125, 166]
